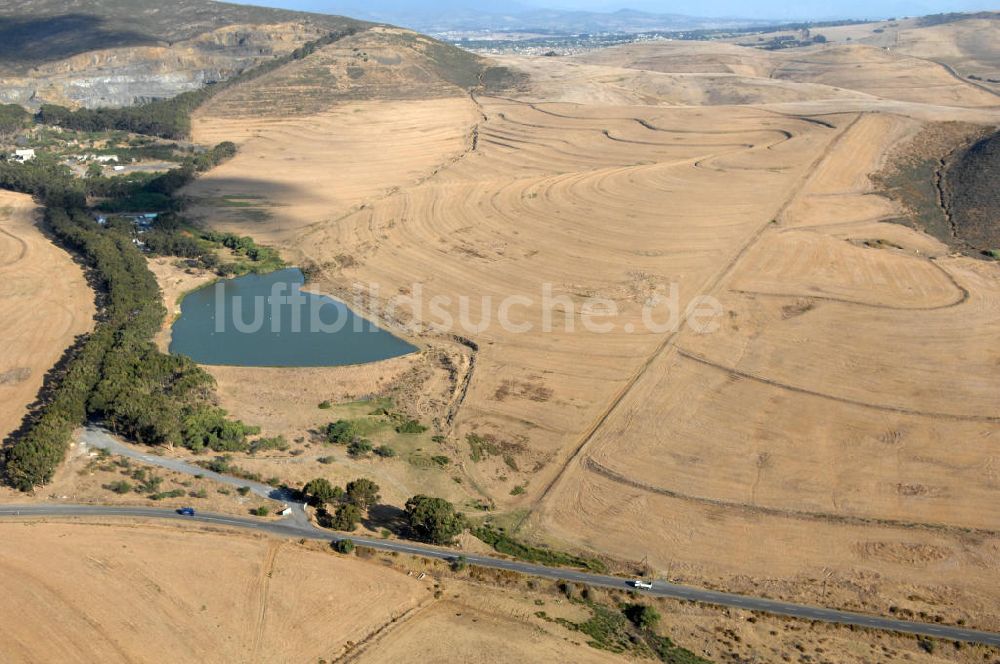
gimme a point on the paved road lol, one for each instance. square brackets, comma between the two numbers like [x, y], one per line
[96, 437]
[298, 526]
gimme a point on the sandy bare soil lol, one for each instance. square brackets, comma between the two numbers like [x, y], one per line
[45, 302]
[831, 441]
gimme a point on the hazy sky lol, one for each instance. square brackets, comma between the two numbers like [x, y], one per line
[778, 9]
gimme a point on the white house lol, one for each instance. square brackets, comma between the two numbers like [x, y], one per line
[24, 155]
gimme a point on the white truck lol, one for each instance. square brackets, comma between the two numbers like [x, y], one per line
[640, 583]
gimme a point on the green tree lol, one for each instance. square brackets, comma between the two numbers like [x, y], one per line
[320, 492]
[12, 119]
[342, 432]
[363, 493]
[346, 517]
[433, 519]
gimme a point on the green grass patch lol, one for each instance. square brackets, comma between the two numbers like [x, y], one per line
[503, 543]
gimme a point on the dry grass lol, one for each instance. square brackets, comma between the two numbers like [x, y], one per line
[835, 427]
[45, 302]
[123, 593]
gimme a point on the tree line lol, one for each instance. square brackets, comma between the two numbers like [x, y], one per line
[117, 375]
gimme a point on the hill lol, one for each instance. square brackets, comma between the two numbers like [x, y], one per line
[116, 53]
[972, 197]
[35, 32]
[380, 63]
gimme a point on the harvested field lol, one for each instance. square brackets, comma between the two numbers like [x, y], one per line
[885, 74]
[146, 593]
[884, 69]
[470, 634]
[838, 422]
[785, 423]
[45, 302]
[293, 173]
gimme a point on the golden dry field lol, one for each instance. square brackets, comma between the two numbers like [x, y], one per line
[45, 302]
[832, 441]
[130, 593]
[113, 590]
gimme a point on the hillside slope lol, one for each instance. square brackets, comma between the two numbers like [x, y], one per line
[380, 63]
[117, 52]
[35, 32]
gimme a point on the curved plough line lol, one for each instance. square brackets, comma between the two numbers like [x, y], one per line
[845, 519]
[955, 417]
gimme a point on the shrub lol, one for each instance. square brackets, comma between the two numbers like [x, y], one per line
[344, 546]
[359, 448]
[243, 490]
[260, 511]
[325, 405]
[385, 451]
[326, 460]
[120, 487]
[642, 616]
[411, 427]
[173, 493]
[263, 444]
[342, 432]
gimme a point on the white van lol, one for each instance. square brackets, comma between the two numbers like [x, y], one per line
[639, 583]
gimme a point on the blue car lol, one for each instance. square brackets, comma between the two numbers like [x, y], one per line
[186, 511]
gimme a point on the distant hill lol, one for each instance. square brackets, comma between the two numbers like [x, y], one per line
[113, 53]
[449, 16]
[36, 32]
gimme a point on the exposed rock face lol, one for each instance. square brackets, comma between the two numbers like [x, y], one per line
[125, 76]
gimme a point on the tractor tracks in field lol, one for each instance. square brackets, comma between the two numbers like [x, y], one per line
[598, 468]
[888, 408]
[710, 287]
[263, 587]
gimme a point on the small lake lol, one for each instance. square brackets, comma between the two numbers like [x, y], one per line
[265, 320]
